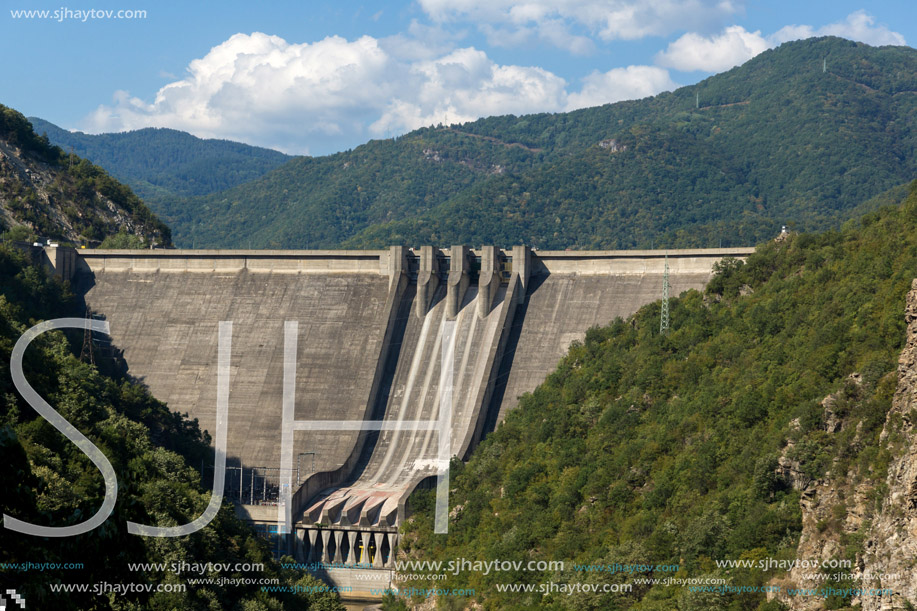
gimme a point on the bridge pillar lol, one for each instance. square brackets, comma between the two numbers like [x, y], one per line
[488, 280]
[299, 547]
[326, 558]
[310, 556]
[377, 557]
[364, 555]
[338, 557]
[352, 553]
[459, 269]
[522, 265]
[389, 562]
[393, 547]
[427, 280]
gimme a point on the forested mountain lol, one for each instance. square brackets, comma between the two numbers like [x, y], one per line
[772, 407]
[47, 480]
[799, 135]
[162, 164]
[45, 192]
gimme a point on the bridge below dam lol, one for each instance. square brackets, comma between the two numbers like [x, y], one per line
[354, 376]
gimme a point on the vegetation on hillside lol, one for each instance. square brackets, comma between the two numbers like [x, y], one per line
[319, 202]
[774, 141]
[43, 188]
[47, 480]
[165, 164]
[724, 162]
[649, 449]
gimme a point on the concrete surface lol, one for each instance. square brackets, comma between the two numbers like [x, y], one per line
[166, 323]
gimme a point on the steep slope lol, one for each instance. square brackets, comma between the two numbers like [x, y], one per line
[766, 413]
[163, 164]
[775, 141]
[886, 551]
[49, 193]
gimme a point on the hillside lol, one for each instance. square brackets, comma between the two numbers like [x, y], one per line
[45, 192]
[161, 165]
[47, 480]
[320, 202]
[774, 141]
[769, 423]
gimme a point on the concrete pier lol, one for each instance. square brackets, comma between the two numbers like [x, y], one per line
[489, 278]
[427, 279]
[459, 279]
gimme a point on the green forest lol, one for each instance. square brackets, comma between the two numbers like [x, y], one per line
[161, 164]
[801, 135]
[47, 480]
[775, 141]
[644, 448]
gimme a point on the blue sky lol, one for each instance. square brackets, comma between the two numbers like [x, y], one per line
[321, 76]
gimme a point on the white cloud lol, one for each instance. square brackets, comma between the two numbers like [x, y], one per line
[553, 21]
[331, 94]
[859, 26]
[466, 85]
[259, 88]
[720, 52]
[421, 42]
[553, 32]
[735, 45]
[619, 84]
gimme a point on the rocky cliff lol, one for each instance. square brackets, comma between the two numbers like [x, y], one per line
[856, 515]
[890, 551]
[46, 192]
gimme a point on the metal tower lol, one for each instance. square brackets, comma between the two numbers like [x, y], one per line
[664, 316]
[87, 353]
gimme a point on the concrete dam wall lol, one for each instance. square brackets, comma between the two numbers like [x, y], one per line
[388, 339]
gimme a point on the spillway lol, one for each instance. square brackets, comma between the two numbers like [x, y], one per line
[402, 458]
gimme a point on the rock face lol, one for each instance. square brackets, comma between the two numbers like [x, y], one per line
[891, 548]
[47, 199]
[831, 505]
[841, 505]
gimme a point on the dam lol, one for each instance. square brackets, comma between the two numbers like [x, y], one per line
[355, 376]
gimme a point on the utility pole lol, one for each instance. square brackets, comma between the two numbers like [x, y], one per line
[664, 316]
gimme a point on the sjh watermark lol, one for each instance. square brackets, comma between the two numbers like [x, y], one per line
[64, 13]
[442, 426]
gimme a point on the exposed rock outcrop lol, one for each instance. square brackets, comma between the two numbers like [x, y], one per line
[832, 506]
[840, 505]
[64, 198]
[891, 548]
